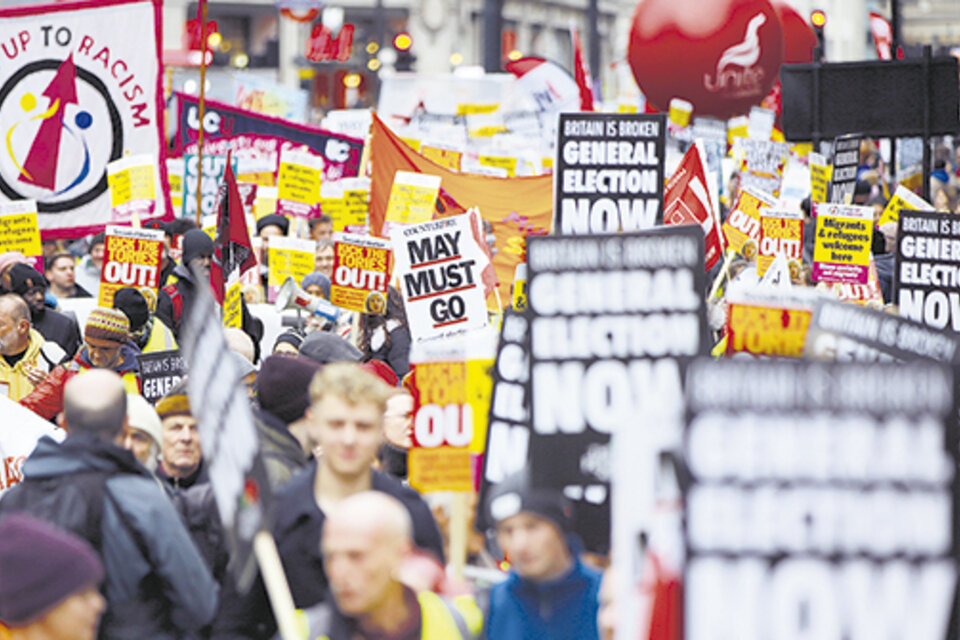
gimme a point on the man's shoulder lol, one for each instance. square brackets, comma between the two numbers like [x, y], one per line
[390, 485]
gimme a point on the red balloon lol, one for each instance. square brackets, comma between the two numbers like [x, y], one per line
[722, 55]
[799, 38]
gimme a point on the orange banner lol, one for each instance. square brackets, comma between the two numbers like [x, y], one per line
[512, 208]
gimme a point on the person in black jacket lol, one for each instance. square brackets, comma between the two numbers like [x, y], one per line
[184, 475]
[387, 337]
[54, 326]
[176, 299]
[346, 421]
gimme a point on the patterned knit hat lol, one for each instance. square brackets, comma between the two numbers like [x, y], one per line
[107, 324]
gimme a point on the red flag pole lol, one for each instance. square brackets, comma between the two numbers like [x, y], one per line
[202, 11]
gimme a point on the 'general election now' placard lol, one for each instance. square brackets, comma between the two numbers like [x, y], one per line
[609, 173]
[927, 275]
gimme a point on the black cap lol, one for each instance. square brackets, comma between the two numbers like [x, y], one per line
[273, 220]
[514, 495]
[133, 305]
[23, 277]
[196, 244]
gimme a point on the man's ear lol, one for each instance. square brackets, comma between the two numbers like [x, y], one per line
[62, 421]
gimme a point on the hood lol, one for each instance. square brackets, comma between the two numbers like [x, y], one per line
[78, 453]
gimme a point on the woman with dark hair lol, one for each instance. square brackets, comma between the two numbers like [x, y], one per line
[386, 337]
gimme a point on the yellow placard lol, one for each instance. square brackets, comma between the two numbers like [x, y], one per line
[443, 429]
[289, 257]
[19, 231]
[842, 249]
[130, 184]
[447, 158]
[440, 469]
[361, 272]
[265, 203]
[356, 206]
[470, 109]
[742, 226]
[902, 198]
[232, 309]
[767, 331]
[259, 178]
[779, 234]
[478, 396]
[413, 197]
[298, 183]
[131, 258]
[413, 142]
[820, 174]
[501, 162]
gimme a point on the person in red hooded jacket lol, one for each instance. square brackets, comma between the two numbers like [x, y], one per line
[107, 345]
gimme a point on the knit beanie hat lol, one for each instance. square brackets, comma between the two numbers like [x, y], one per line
[292, 336]
[175, 403]
[196, 244]
[107, 324]
[325, 348]
[514, 495]
[273, 220]
[283, 386]
[24, 277]
[133, 305]
[317, 278]
[40, 566]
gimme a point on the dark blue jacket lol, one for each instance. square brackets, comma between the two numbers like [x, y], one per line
[157, 585]
[564, 609]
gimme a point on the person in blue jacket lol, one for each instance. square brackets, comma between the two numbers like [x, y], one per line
[549, 593]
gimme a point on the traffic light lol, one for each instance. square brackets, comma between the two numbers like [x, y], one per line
[818, 18]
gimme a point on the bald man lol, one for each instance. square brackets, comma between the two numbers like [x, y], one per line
[157, 585]
[27, 357]
[367, 538]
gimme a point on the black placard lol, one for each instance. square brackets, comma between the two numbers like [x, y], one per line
[821, 502]
[926, 279]
[613, 321]
[846, 163]
[160, 371]
[609, 172]
[850, 333]
[507, 449]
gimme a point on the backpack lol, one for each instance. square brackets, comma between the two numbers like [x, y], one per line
[72, 502]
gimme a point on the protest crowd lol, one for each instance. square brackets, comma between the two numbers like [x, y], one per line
[551, 369]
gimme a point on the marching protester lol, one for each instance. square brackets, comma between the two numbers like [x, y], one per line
[367, 537]
[60, 271]
[176, 298]
[106, 340]
[321, 228]
[27, 356]
[283, 396]
[387, 337]
[288, 343]
[549, 593]
[147, 332]
[88, 268]
[345, 420]
[57, 327]
[156, 584]
[49, 581]
[181, 469]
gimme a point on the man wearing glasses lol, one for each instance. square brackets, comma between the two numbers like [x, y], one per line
[106, 345]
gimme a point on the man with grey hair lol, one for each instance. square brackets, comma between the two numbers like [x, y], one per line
[366, 539]
[156, 585]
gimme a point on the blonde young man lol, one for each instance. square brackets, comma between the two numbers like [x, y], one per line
[345, 422]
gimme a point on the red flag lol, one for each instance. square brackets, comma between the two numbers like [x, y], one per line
[686, 201]
[232, 249]
[581, 72]
[882, 35]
